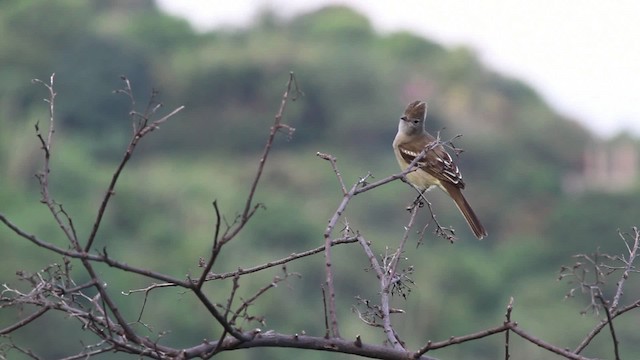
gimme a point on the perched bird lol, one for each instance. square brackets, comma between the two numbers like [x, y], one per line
[436, 168]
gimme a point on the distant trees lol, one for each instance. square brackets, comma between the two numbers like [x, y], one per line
[229, 78]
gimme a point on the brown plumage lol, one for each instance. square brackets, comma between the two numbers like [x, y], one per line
[437, 168]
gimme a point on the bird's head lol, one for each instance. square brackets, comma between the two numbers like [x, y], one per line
[412, 121]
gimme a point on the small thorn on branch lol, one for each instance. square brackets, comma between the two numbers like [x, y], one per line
[358, 341]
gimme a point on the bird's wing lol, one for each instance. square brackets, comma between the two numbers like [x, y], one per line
[437, 162]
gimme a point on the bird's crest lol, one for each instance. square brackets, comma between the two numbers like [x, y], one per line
[416, 110]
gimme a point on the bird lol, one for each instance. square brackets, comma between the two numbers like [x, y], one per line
[436, 168]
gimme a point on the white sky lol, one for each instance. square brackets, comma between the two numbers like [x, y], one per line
[583, 56]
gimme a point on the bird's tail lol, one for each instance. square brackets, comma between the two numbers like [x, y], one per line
[466, 210]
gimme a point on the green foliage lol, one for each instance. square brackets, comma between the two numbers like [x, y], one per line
[594, 218]
[355, 83]
[334, 25]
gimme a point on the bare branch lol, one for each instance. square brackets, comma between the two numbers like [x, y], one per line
[139, 132]
[215, 249]
[241, 311]
[104, 258]
[387, 274]
[460, 339]
[332, 160]
[60, 216]
[294, 256]
[554, 349]
[385, 282]
[12, 346]
[393, 265]
[333, 318]
[596, 330]
[445, 232]
[629, 266]
[272, 339]
[507, 315]
[216, 314]
[611, 328]
[24, 321]
[327, 330]
[87, 354]
[277, 125]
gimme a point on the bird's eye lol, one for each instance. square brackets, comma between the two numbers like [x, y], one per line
[416, 121]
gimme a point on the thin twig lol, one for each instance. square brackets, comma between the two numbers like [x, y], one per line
[375, 265]
[267, 148]
[552, 348]
[26, 352]
[24, 321]
[104, 258]
[507, 315]
[385, 282]
[387, 278]
[294, 256]
[446, 233]
[393, 265]
[460, 339]
[596, 330]
[612, 330]
[101, 287]
[334, 166]
[248, 302]
[216, 314]
[628, 266]
[230, 299]
[215, 248]
[139, 133]
[327, 331]
[232, 296]
[88, 354]
[43, 177]
[333, 318]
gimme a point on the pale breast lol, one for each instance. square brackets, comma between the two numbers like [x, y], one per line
[421, 179]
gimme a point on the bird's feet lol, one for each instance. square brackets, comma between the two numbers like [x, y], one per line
[417, 202]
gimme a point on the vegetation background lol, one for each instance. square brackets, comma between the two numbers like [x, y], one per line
[356, 83]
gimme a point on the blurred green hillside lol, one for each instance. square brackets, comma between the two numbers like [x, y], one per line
[356, 82]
